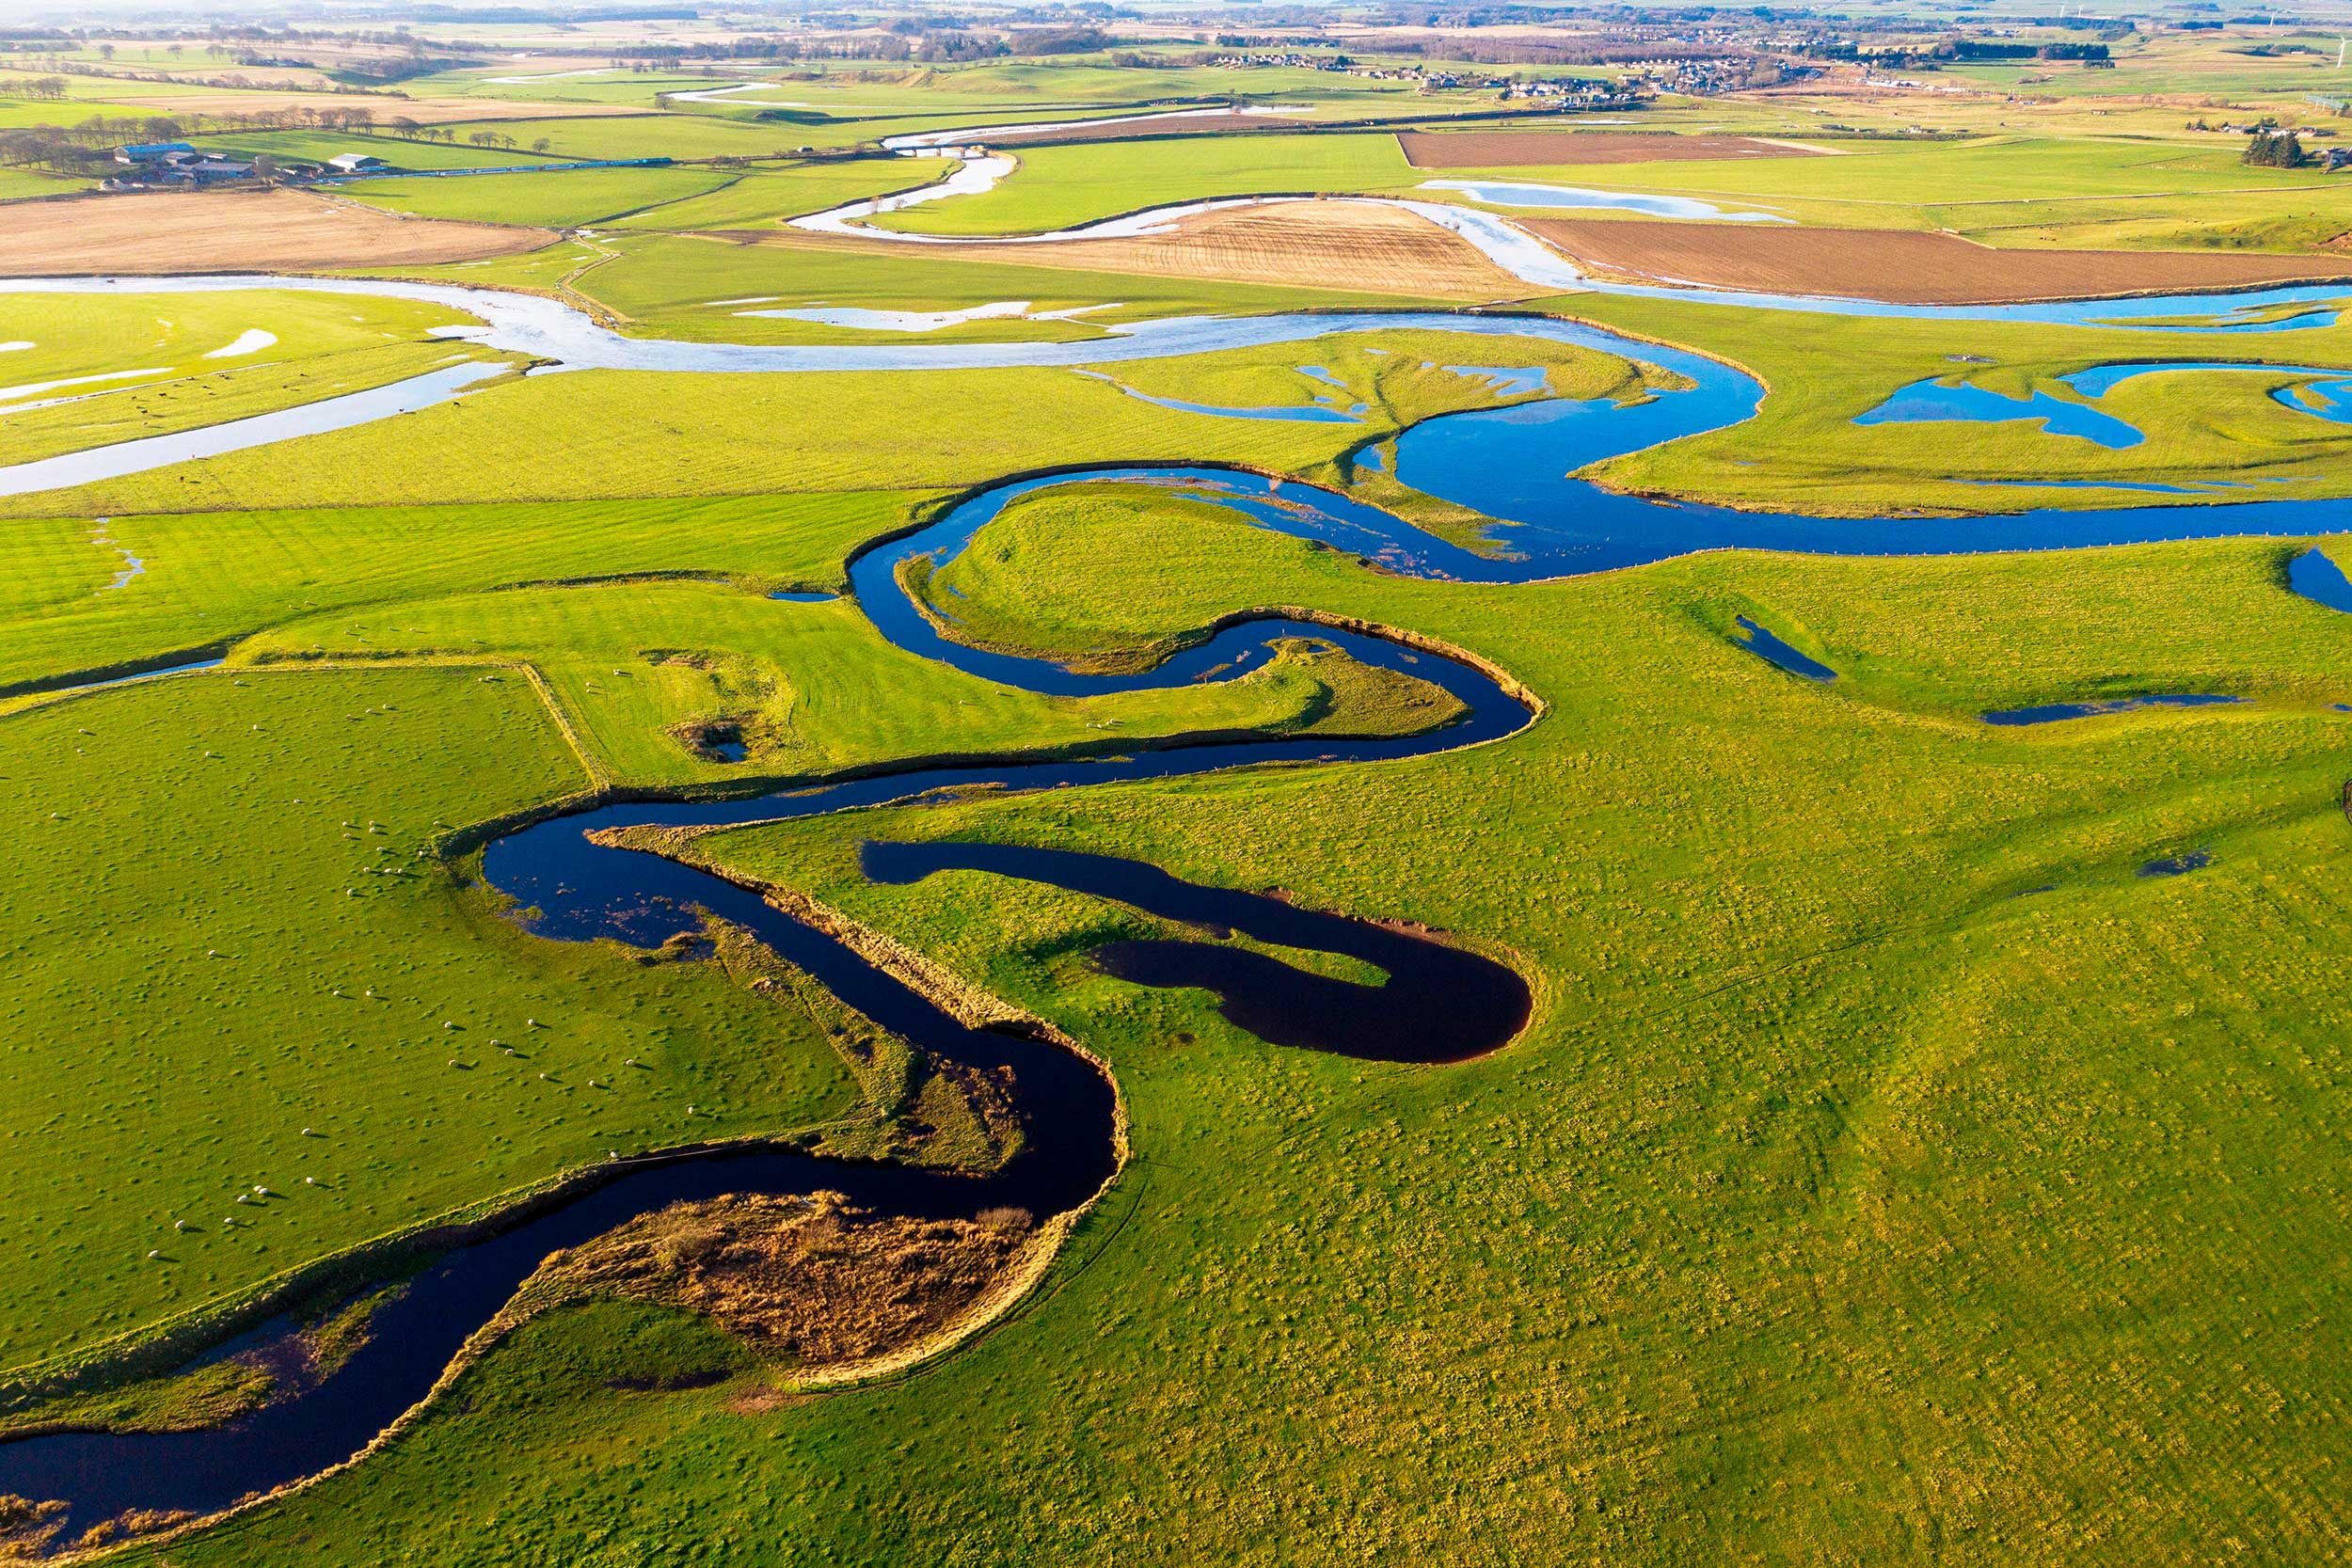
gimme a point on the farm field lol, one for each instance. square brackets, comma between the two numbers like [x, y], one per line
[723, 287]
[1537, 149]
[243, 230]
[1767, 1181]
[559, 199]
[107, 370]
[1904, 267]
[1617, 812]
[1061, 186]
[770, 196]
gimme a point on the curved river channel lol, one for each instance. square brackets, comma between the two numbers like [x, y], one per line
[1439, 1002]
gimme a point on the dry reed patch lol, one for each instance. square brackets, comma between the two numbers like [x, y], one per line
[424, 111]
[806, 1281]
[235, 231]
[1529, 148]
[1330, 245]
[1902, 267]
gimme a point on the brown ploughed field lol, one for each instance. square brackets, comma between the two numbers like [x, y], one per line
[1532, 149]
[1336, 243]
[235, 232]
[1902, 267]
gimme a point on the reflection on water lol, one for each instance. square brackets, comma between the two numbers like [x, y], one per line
[2054, 713]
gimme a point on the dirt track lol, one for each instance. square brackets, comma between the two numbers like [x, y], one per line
[235, 232]
[1331, 244]
[1902, 267]
[1528, 149]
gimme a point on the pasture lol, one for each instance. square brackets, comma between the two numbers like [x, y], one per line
[1778, 1118]
[90, 370]
[554, 200]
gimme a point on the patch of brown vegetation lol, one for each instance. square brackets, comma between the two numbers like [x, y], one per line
[235, 231]
[765, 1399]
[27, 1527]
[1529, 148]
[1334, 244]
[808, 1281]
[1902, 267]
[424, 111]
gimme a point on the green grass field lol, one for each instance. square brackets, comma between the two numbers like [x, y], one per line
[768, 196]
[564, 199]
[399, 151]
[94, 369]
[1829, 1155]
[18, 184]
[195, 977]
[1056, 187]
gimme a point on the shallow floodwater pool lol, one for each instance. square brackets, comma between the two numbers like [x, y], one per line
[1506, 193]
[1944, 398]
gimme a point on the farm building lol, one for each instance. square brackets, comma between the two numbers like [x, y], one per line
[149, 153]
[356, 163]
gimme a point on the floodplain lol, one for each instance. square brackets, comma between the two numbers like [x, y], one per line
[1017, 777]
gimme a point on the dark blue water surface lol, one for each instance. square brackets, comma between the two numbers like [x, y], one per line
[2317, 577]
[2054, 713]
[1773, 650]
[1435, 1002]
[2178, 866]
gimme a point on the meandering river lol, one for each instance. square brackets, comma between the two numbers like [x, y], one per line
[1507, 463]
